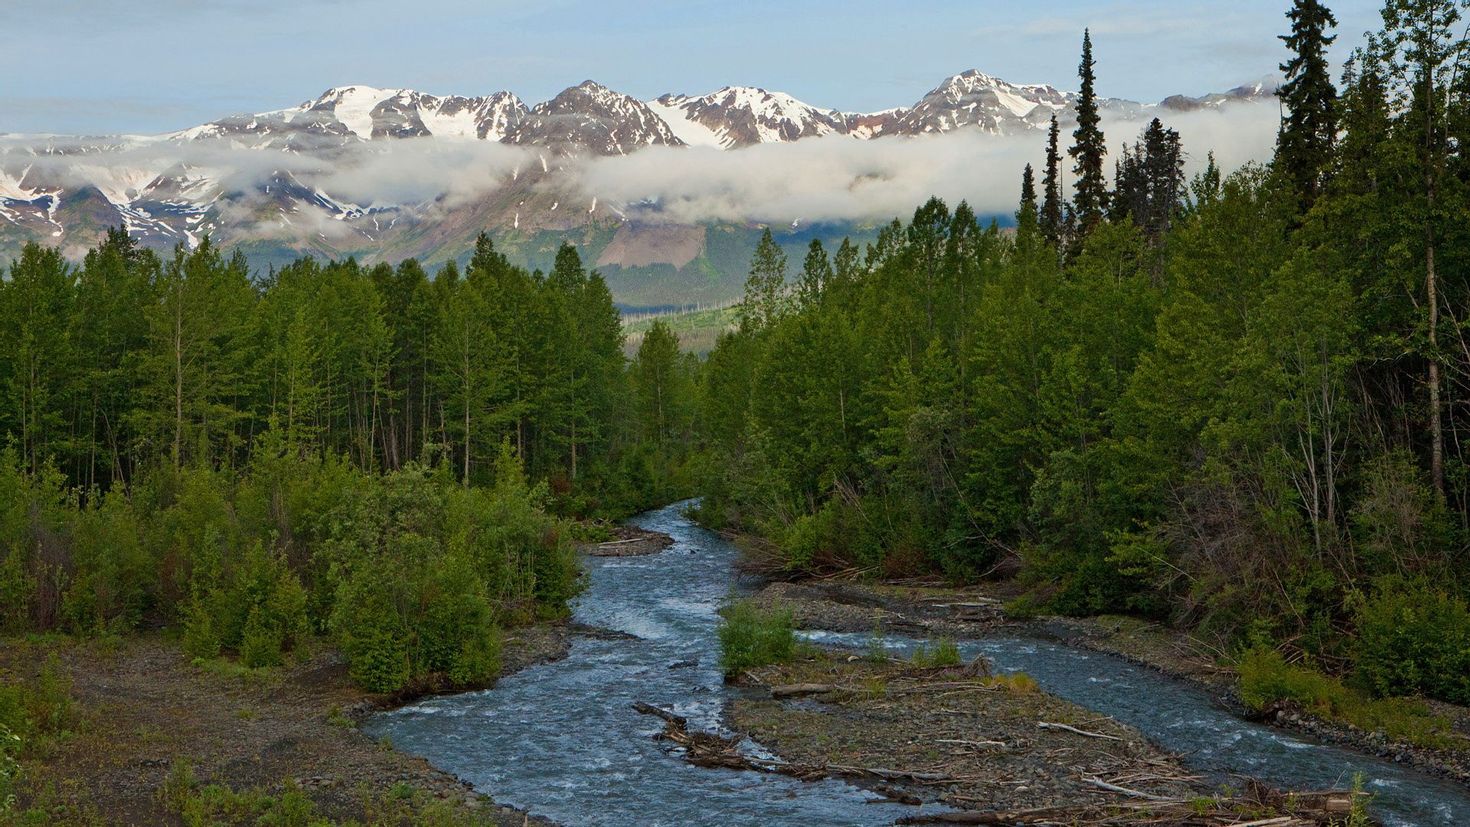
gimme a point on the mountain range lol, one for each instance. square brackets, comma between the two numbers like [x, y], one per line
[390, 173]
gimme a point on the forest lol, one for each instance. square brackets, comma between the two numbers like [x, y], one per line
[387, 459]
[1233, 402]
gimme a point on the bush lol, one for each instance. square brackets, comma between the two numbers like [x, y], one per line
[114, 576]
[258, 610]
[31, 712]
[1266, 678]
[943, 652]
[9, 768]
[260, 642]
[371, 634]
[1413, 639]
[431, 620]
[751, 636]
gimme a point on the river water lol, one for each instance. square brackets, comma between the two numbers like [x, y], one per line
[561, 740]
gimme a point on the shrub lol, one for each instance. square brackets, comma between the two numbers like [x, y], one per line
[260, 642]
[751, 636]
[114, 575]
[9, 768]
[258, 610]
[371, 634]
[457, 636]
[36, 708]
[200, 638]
[1412, 639]
[1019, 683]
[1266, 677]
[943, 652]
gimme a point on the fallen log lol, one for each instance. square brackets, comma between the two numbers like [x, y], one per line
[707, 749]
[1114, 788]
[890, 775]
[796, 690]
[1068, 728]
[650, 709]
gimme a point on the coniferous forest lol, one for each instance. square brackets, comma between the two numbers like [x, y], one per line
[367, 453]
[1236, 402]
[1231, 402]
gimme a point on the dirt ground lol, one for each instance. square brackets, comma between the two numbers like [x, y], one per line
[935, 611]
[986, 735]
[998, 750]
[141, 706]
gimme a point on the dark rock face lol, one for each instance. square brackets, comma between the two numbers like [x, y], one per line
[592, 118]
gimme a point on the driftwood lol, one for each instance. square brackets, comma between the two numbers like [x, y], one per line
[641, 544]
[796, 690]
[1311, 809]
[707, 749]
[1114, 788]
[1068, 728]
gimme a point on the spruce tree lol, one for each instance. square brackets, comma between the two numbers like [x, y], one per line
[1090, 196]
[1051, 217]
[816, 272]
[765, 287]
[1026, 217]
[1309, 126]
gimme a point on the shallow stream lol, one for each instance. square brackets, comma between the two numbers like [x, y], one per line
[561, 739]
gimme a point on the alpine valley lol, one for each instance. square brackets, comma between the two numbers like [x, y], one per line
[343, 175]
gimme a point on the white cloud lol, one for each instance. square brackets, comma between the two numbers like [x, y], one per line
[839, 178]
[820, 179]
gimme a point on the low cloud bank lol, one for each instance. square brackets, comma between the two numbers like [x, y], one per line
[821, 179]
[398, 172]
[838, 178]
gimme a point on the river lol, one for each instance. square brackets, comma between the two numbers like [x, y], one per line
[561, 740]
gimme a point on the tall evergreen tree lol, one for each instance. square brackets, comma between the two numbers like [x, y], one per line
[1309, 125]
[765, 288]
[816, 273]
[1090, 194]
[1051, 218]
[35, 303]
[656, 381]
[1150, 181]
[1026, 216]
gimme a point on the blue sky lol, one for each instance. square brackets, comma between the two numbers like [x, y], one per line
[106, 66]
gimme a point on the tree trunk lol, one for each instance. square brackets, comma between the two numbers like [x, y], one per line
[178, 385]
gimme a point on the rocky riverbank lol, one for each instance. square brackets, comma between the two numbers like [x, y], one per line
[143, 717]
[935, 611]
[995, 749]
[628, 541]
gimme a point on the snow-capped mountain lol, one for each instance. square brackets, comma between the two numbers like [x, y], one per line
[977, 100]
[271, 180]
[738, 116]
[345, 113]
[592, 118]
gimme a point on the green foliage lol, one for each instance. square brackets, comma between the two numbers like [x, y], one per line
[327, 448]
[32, 711]
[751, 636]
[1226, 403]
[1413, 638]
[1266, 678]
[10, 745]
[941, 653]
